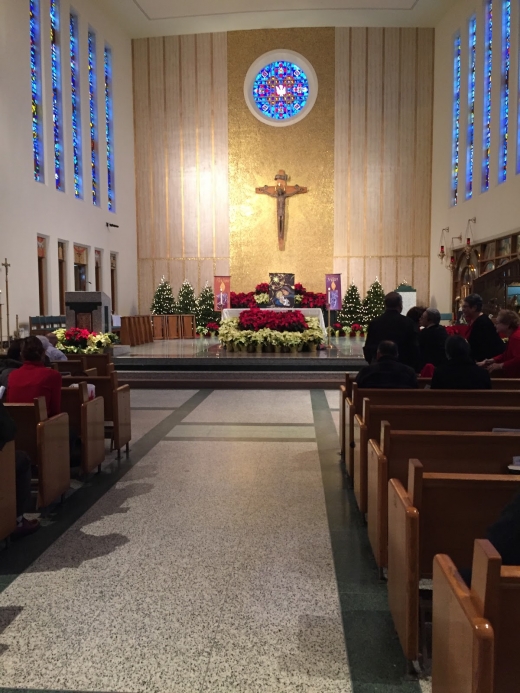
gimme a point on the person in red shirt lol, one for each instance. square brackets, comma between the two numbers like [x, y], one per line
[506, 364]
[33, 379]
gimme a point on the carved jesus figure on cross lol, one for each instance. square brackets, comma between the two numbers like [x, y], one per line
[281, 191]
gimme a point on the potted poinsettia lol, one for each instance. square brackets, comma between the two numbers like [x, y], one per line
[212, 328]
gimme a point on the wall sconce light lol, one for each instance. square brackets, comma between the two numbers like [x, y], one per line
[444, 234]
[469, 237]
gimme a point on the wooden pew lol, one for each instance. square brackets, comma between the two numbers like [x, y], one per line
[421, 397]
[438, 513]
[46, 441]
[475, 631]
[73, 367]
[101, 362]
[117, 407]
[87, 419]
[7, 491]
[419, 418]
[439, 451]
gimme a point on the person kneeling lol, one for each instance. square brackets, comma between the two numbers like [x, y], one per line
[387, 372]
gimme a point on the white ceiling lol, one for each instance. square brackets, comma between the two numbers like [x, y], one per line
[142, 18]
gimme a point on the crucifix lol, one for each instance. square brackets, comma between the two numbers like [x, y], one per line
[7, 265]
[281, 191]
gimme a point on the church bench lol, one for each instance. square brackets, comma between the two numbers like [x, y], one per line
[86, 419]
[73, 367]
[46, 441]
[420, 397]
[437, 513]
[475, 631]
[101, 362]
[440, 451]
[7, 491]
[419, 418]
[116, 405]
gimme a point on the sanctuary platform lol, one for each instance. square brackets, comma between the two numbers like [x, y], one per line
[202, 363]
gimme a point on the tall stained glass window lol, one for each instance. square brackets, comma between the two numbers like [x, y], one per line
[504, 89]
[488, 68]
[472, 81]
[92, 94]
[109, 129]
[76, 107]
[456, 121]
[36, 90]
[57, 112]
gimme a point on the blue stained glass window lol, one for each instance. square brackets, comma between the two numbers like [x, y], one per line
[504, 96]
[488, 68]
[472, 82]
[57, 114]
[109, 129]
[456, 122]
[281, 90]
[76, 107]
[36, 89]
[92, 88]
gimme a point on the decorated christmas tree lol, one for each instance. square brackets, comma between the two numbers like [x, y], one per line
[205, 304]
[186, 302]
[374, 303]
[352, 311]
[163, 301]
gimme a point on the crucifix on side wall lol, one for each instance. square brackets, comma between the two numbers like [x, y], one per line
[281, 191]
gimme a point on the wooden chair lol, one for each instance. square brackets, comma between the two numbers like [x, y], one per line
[46, 441]
[438, 513]
[475, 631]
[7, 491]
[412, 418]
[116, 398]
[88, 420]
[440, 451]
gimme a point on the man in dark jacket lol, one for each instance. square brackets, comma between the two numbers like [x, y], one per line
[432, 338]
[393, 327]
[23, 476]
[387, 372]
[461, 372]
[482, 336]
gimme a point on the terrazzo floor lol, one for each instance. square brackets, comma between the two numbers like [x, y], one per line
[225, 556]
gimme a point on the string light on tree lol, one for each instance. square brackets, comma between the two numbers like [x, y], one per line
[163, 301]
[186, 301]
[374, 303]
[205, 304]
[352, 311]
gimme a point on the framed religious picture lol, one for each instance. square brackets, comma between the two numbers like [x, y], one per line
[489, 251]
[503, 247]
[281, 290]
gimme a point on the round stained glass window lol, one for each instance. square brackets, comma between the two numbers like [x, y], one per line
[280, 88]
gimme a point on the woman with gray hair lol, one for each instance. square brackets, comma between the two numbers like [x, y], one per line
[432, 338]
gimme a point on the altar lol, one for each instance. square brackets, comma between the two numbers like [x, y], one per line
[306, 312]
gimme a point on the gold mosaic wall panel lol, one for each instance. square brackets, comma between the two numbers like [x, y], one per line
[304, 150]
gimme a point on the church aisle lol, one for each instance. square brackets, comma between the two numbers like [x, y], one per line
[226, 559]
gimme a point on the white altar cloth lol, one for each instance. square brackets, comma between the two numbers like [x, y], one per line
[307, 312]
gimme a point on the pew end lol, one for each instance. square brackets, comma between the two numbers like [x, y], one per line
[7, 490]
[53, 459]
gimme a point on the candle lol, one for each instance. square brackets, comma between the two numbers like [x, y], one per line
[442, 249]
[468, 241]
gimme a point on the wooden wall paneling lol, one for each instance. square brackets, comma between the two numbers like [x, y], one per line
[407, 150]
[173, 144]
[205, 144]
[405, 270]
[341, 141]
[146, 285]
[374, 140]
[176, 274]
[341, 267]
[356, 273]
[158, 148]
[189, 124]
[421, 280]
[220, 130]
[357, 160]
[222, 267]
[388, 273]
[192, 273]
[423, 177]
[206, 272]
[390, 150]
[372, 270]
[161, 268]
[142, 147]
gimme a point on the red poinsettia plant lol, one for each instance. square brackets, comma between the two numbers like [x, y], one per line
[262, 288]
[256, 319]
[212, 326]
[75, 337]
[242, 300]
[461, 330]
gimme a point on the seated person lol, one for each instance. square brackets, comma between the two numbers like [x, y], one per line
[507, 364]
[23, 477]
[387, 372]
[49, 344]
[33, 379]
[460, 372]
[432, 338]
[11, 362]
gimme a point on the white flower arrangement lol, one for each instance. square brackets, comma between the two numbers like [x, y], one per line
[230, 334]
[262, 299]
